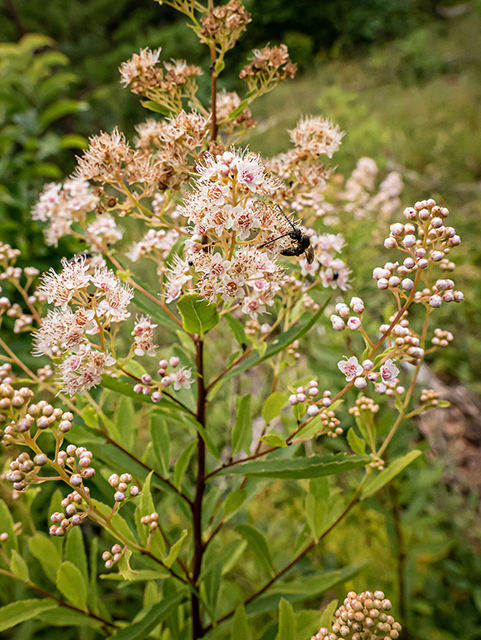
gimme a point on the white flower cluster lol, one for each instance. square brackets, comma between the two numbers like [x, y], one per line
[62, 205]
[100, 299]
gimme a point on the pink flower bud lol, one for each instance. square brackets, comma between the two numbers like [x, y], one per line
[409, 241]
[337, 323]
[360, 383]
[353, 323]
[312, 410]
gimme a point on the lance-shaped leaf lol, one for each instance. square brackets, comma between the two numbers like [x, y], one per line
[6, 526]
[258, 545]
[175, 550]
[242, 431]
[126, 389]
[302, 589]
[287, 621]
[23, 610]
[377, 482]
[240, 628]
[71, 583]
[298, 468]
[278, 344]
[199, 315]
[273, 406]
[157, 613]
[43, 548]
[154, 310]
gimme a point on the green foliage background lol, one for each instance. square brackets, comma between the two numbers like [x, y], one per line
[404, 84]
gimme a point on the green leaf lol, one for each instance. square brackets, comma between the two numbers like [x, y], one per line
[237, 329]
[19, 566]
[63, 617]
[299, 410]
[234, 501]
[6, 526]
[73, 141]
[182, 463]
[90, 417]
[238, 110]
[119, 523]
[273, 440]
[287, 621]
[71, 584]
[160, 437]
[377, 482]
[154, 106]
[60, 109]
[314, 467]
[125, 570]
[23, 610]
[258, 545]
[145, 508]
[42, 548]
[302, 589]
[156, 614]
[125, 422]
[328, 613]
[75, 551]
[242, 431]
[315, 514]
[126, 389]
[199, 315]
[139, 576]
[204, 434]
[279, 344]
[155, 311]
[273, 406]
[442, 404]
[240, 628]
[357, 444]
[175, 550]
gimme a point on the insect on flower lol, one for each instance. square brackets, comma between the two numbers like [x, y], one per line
[301, 242]
[84, 257]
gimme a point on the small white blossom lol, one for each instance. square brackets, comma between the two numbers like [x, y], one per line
[350, 368]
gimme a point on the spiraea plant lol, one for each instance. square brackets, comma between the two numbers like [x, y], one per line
[173, 393]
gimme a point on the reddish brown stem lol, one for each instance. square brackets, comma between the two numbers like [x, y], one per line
[199, 547]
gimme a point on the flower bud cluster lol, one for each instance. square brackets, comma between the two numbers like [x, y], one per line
[113, 556]
[362, 617]
[353, 322]
[144, 336]
[23, 470]
[182, 378]
[429, 398]
[121, 485]
[320, 408]
[385, 380]
[406, 341]
[364, 404]
[42, 415]
[75, 506]
[224, 24]
[151, 521]
[268, 65]
[78, 461]
[441, 338]
[426, 240]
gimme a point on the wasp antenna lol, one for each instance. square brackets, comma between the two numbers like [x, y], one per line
[278, 206]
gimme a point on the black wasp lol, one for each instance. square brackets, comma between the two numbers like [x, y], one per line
[85, 257]
[301, 242]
